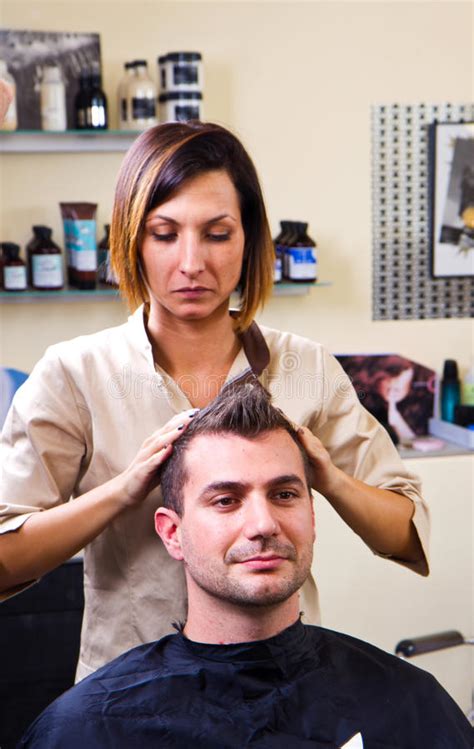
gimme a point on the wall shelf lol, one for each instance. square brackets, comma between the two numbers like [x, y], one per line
[70, 141]
[107, 294]
[63, 295]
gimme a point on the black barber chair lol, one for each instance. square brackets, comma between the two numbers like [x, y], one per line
[39, 635]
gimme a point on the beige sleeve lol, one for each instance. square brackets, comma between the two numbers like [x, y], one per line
[361, 447]
[43, 444]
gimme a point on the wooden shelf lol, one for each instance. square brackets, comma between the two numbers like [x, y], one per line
[70, 141]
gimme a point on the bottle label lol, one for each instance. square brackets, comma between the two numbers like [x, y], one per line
[301, 263]
[277, 270]
[143, 108]
[14, 277]
[187, 112]
[185, 74]
[47, 271]
[96, 116]
[80, 241]
[280, 250]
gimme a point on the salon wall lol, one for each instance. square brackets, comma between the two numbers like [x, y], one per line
[295, 81]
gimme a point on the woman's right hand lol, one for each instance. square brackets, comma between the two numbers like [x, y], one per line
[143, 475]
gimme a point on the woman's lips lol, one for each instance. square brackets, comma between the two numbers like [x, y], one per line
[192, 292]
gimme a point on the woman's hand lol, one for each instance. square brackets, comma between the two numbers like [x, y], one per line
[325, 473]
[143, 475]
[382, 518]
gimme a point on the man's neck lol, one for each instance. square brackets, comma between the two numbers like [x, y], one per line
[222, 623]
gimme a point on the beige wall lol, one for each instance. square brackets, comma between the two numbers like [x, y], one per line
[296, 81]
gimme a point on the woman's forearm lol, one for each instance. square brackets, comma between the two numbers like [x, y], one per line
[382, 518]
[49, 538]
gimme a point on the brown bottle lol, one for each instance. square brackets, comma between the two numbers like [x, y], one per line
[14, 269]
[45, 263]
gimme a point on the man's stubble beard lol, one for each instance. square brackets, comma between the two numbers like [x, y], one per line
[249, 592]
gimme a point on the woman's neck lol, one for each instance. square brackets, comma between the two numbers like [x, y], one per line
[204, 349]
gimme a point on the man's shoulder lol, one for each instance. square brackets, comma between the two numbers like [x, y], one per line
[389, 673]
[77, 710]
[136, 663]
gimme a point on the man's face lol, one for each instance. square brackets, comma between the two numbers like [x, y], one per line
[247, 531]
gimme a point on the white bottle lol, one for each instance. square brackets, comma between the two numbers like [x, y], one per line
[53, 99]
[123, 104]
[141, 97]
[10, 121]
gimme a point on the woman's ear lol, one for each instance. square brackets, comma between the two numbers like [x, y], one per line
[167, 525]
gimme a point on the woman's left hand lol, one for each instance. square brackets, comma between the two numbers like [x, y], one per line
[382, 518]
[325, 473]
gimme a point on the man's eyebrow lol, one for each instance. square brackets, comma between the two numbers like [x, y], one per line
[169, 220]
[240, 486]
[223, 486]
[286, 478]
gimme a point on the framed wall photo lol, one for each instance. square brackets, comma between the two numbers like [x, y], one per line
[452, 199]
[26, 52]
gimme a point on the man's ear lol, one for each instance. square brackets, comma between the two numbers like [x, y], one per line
[167, 525]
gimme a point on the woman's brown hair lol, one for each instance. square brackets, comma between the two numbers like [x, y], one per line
[157, 165]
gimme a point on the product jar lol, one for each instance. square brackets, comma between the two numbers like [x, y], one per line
[180, 106]
[183, 71]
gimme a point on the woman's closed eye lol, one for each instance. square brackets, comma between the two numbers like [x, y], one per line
[172, 236]
[219, 236]
[168, 237]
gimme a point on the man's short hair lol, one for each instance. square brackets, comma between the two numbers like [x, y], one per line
[243, 409]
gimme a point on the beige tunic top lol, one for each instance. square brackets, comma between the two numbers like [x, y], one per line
[80, 419]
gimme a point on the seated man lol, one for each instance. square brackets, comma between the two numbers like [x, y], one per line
[244, 671]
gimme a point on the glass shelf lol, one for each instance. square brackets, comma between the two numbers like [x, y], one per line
[105, 293]
[101, 293]
[69, 141]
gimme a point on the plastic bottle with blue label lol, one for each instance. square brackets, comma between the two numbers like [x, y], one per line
[300, 255]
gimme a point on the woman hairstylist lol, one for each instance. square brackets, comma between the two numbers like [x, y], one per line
[99, 414]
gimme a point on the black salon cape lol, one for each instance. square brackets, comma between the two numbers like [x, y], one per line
[306, 687]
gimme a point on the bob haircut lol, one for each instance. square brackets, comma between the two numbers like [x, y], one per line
[158, 164]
